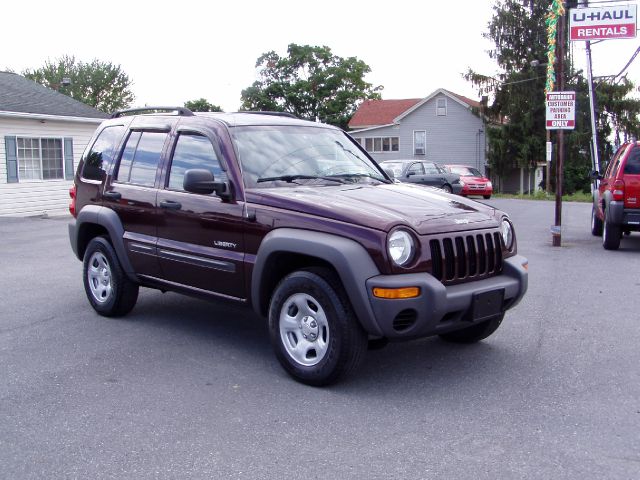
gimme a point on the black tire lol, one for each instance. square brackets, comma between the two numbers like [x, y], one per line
[486, 197]
[447, 188]
[314, 332]
[596, 223]
[108, 289]
[611, 233]
[475, 333]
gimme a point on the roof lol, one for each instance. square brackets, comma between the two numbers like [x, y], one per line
[380, 112]
[376, 113]
[21, 95]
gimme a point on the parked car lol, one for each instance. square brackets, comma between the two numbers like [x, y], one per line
[616, 202]
[294, 219]
[474, 182]
[424, 173]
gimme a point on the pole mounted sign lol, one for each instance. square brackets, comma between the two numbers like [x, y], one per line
[561, 110]
[603, 23]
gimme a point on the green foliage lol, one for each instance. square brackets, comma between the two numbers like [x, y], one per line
[516, 137]
[99, 84]
[310, 82]
[202, 105]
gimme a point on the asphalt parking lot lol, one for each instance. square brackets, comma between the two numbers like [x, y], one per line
[182, 388]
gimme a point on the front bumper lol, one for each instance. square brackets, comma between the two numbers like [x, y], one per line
[438, 308]
[469, 190]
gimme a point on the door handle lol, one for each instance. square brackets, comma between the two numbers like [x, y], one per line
[170, 205]
[111, 195]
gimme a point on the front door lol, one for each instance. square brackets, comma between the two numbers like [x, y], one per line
[200, 237]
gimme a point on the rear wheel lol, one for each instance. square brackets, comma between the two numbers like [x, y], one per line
[108, 289]
[313, 330]
[447, 188]
[611, 233]
[596, 223]
[474, 333]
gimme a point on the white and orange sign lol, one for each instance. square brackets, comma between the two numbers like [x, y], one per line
[603, 23]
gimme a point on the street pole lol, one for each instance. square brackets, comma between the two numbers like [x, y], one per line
[592, 105]
[557, 230]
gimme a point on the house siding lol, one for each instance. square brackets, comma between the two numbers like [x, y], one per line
[39, 197]
[457, 137]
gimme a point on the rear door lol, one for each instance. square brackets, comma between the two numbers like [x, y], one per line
[200, 237]
[132, 191]
[631, 177]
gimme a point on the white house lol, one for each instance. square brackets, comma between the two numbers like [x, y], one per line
[443, 127]
[42, 136]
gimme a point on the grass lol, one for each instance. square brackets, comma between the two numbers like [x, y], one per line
[540, 195]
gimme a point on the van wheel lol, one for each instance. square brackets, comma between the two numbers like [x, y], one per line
[314, 332]
[474, 333]
[610, 234]
[596, 223]
[108, 289]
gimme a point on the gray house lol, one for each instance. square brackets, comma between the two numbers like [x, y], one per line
[42, 136]
[443, 127]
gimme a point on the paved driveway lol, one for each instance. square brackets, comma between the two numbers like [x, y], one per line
[183, 389]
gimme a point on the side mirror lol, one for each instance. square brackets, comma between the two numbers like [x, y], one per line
[200, 180]
[410, 174]
[595, 175]
[389, 173]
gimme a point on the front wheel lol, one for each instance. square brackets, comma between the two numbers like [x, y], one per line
[486, 197]
[108, 289]
[596, 223]
[313, 330]
[475, 333]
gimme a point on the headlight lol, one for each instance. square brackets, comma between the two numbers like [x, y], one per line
[507, 234]
[489, 184]
[401, 247]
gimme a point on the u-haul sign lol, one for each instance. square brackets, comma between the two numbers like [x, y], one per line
[561, 110]
[602, 23]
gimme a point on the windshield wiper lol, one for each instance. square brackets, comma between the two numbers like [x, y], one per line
[291, 178]
[362, 175]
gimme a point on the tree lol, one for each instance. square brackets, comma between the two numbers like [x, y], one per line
[310, 82]
[99, 84]
[519, 33]
[202, 105]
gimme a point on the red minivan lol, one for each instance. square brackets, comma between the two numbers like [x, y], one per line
[616, 203]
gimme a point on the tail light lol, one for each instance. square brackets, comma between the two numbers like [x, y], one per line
[72, 203]
[618, 190]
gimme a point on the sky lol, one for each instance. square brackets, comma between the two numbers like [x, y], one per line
[183, 50]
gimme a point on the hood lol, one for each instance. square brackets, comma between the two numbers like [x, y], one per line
[382, 207]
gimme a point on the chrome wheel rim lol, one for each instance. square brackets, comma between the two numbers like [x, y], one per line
[99, 277]
[304, 330]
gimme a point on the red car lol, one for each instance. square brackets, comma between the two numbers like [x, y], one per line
[474, 182]
[616, 204]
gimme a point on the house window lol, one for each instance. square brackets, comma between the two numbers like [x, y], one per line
[441, 107]
[419, 142]
[39, 158]
[382, 144]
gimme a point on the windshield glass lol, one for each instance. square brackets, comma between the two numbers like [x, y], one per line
[278, 156]
[466, 171]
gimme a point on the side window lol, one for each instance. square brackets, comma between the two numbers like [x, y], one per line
[632, 167]
[193, 151]
[613, 164]
[100, 157]
[416, 169]
[432, 169]
[140, 158]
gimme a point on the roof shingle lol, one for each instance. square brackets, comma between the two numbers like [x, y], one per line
[19, 94]
[380, 112]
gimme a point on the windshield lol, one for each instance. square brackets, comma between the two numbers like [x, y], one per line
[466, 171]
[277, 156]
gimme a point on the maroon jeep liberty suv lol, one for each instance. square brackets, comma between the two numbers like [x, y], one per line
[294, 219]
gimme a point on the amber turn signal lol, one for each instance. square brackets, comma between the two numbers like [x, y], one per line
[396, 293]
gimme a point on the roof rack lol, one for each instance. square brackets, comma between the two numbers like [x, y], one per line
[181, 111]
[275, 114]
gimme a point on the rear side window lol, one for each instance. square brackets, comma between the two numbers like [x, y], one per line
[193, 151]
[140, 158]
[100, 157]
[632, 167]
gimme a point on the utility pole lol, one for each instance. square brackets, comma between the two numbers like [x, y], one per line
[560, 48]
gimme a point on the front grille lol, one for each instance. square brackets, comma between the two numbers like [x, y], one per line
[477, 186]
[466, 257]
